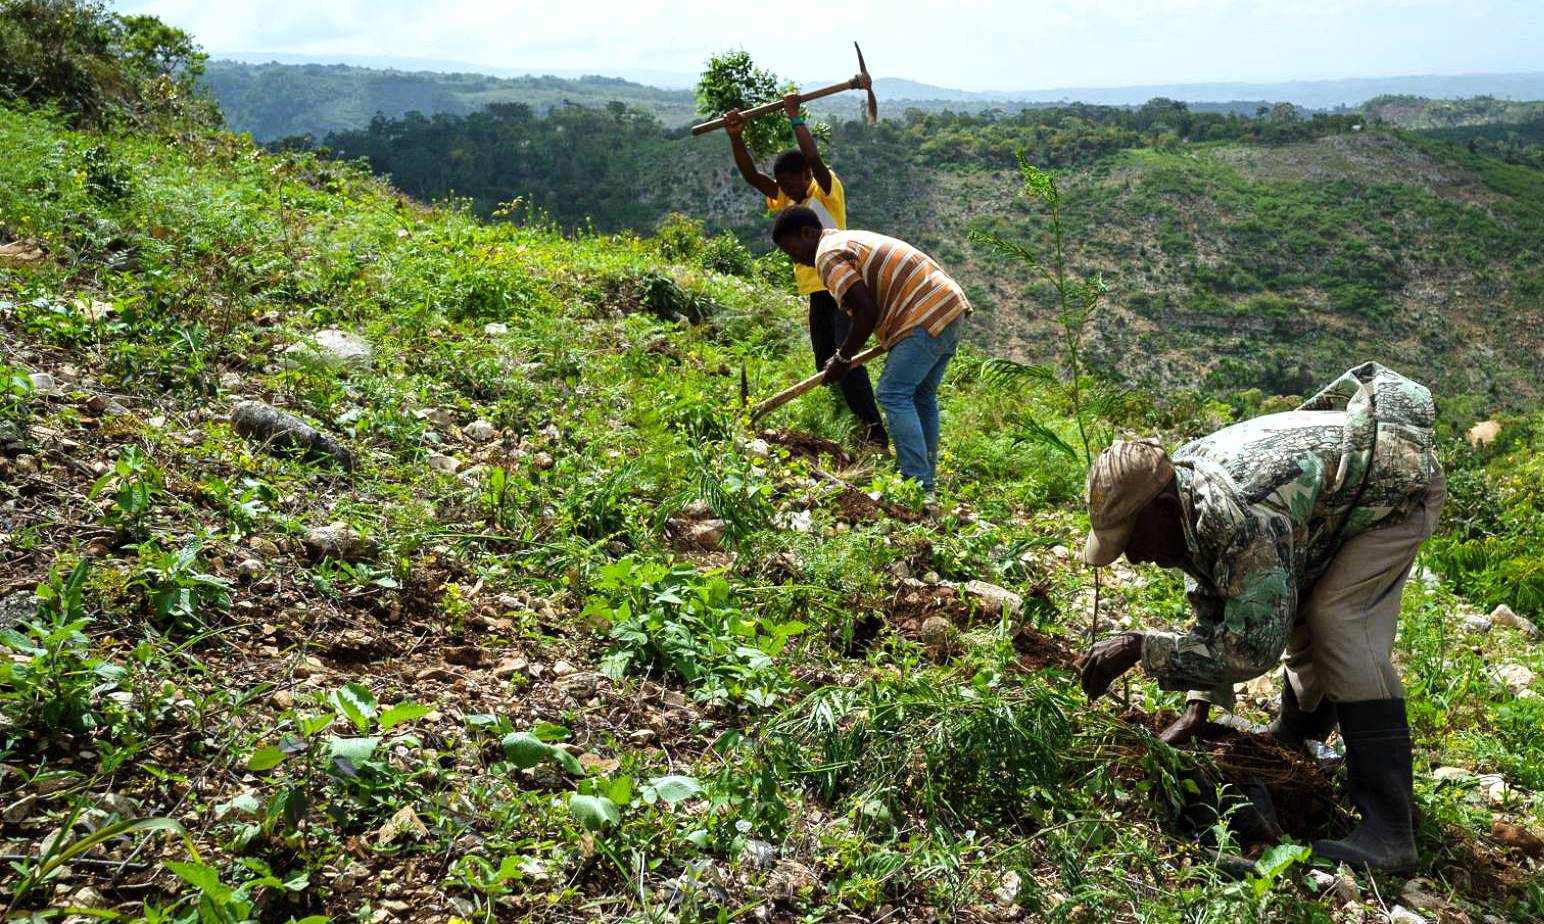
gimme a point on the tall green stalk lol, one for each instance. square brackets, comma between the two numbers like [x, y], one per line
[1076, 302]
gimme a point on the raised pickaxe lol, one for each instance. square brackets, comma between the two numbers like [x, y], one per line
[793, 391]
[860, 81]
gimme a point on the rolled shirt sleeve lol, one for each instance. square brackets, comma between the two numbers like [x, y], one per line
[1240, 630]
[839, 271]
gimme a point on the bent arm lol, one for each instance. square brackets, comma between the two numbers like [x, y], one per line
[811, 152]
[743, 160]
[859, 302]
[1240, 634]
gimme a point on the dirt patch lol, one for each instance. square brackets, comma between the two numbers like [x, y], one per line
[808, 446]
[854, 506]
[1038, 651]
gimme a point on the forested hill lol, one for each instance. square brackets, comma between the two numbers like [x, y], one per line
[273, 100]
[1240, 253]
[280, 100]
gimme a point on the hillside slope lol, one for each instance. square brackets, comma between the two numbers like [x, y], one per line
[534, 627]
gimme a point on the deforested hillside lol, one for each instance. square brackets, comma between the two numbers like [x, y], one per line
[1240, 253]
[368, 560]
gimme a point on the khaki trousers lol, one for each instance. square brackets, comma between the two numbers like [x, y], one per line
[1342, 644]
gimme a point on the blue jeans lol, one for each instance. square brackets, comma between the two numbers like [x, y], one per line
[908, 391]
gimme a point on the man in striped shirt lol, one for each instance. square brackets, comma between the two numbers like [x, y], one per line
[897, 293]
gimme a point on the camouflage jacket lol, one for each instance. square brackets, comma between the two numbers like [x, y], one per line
[1268, 503]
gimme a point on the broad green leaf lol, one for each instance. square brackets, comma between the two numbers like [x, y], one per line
[550, 732]
[265, 758]
[314, 725]
[402, 712]
[620, 790]
[354, 750]
[525, 750]
[569, 761]
[596, 813]
[356, 702]
[247, 804]
[672, 789]
[201, 877]
[1280, 858]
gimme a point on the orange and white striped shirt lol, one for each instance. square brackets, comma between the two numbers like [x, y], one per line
[908, 287]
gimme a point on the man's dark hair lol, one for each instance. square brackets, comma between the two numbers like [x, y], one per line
[792, 219]
[790, 161]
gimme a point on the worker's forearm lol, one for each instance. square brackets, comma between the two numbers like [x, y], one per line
[742, 160]
[862, 329]
[811, 152]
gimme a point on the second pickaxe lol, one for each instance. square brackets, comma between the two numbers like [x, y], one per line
[860, 81]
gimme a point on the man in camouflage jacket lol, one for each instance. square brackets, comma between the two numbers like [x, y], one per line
[1296, 533]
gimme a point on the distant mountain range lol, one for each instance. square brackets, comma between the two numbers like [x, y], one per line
[290, 95]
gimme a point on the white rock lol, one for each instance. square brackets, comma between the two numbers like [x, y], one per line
[1517, 677]
[443, 463]
[1007, 891]
[338, 540]
[1495, 787]
[438, 416]
[582, 685]
[759, 448]
[338, 350]
[44, 384]
[1402, 915]
[799, 521]
[495, 329]
[697, 510]
[481, 431]
[1473, 624]
[1483, 432]
[1417, 895]
[250, 569]
[1504, 616]
[994, 599]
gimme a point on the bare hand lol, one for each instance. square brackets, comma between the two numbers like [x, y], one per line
[835, 370]
[734, 123]
[791, 104]
[1188, 725]
[1107, 660]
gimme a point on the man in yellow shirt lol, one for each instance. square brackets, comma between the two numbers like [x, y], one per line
[800, 177]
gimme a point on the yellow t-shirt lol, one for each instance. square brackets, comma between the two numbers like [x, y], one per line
[832, 209]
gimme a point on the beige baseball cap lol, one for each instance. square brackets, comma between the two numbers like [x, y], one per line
[1123, 480]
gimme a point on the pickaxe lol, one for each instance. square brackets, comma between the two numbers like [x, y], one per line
[860, 81]
[793, 391]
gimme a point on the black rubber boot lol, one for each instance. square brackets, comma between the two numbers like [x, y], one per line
[1378, 770]
[1293, 726]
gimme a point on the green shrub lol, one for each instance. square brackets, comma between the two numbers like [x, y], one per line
[672, 619]
[725, 254]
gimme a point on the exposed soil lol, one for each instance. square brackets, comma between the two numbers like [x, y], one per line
[1038, 651]
[808, 446]
[854, 506]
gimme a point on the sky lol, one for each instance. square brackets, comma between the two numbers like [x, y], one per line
[982, 45]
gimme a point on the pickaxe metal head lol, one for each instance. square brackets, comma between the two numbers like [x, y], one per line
[865, 82]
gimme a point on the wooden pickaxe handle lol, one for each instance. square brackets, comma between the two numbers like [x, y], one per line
[793, 391]
[860, 81]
